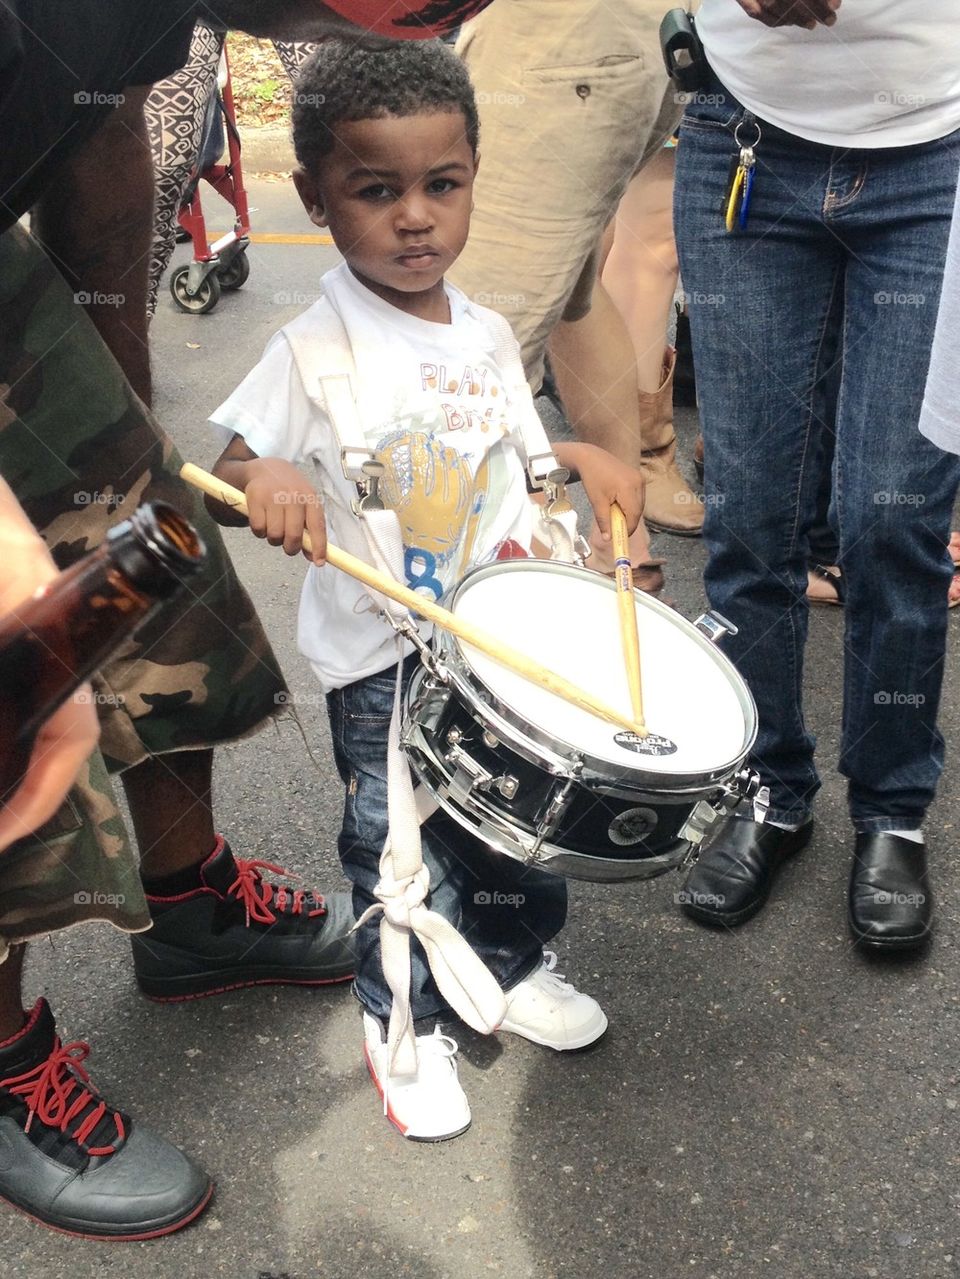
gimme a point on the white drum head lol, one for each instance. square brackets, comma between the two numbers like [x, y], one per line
[696, 706]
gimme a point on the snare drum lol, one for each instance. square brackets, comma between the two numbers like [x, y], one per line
[550, 784]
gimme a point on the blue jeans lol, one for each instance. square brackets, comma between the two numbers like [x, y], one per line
[506, 911]
[840, 265]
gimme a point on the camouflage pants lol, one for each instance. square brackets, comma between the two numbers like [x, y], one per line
[81, 452]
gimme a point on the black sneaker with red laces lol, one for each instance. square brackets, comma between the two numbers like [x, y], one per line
[238, 929]
[70, 1161]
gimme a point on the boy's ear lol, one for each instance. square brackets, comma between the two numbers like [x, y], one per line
[308, 190]
[476, 163]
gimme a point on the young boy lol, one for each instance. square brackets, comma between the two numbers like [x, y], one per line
[387, 143]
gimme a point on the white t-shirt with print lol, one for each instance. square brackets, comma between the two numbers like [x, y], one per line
[886, 74]
[434, 409]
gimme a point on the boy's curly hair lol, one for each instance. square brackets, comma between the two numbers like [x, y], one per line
[348, 80]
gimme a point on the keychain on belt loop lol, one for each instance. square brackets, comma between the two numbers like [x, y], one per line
[743, 167]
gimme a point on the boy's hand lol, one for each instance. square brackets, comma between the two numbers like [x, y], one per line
[282, 505]
[606, 480]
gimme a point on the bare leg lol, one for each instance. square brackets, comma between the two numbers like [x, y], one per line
[170, 803]
[640, 276]
[12, 1015]
[596, 372]
[641, 270]
[593, 363]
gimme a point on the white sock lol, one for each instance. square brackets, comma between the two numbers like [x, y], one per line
[915, 836]
[784, 825]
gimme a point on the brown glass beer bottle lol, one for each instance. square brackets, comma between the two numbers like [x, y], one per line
[68, 630]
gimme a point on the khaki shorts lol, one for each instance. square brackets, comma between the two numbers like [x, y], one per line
[81, 452]
[573, 99]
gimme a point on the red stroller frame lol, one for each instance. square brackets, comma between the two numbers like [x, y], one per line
[196, 286]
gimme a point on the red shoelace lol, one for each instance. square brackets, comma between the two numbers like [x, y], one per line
[58, 1091]
[256, 893]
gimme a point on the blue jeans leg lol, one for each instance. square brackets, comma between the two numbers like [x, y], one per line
[506, 911]
[894, 490]
[773, 308]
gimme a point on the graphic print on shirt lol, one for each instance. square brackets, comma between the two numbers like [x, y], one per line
[430, 480]
[429, 485]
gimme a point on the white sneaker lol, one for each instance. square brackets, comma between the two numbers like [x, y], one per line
[427, 1106]
[546, 1010]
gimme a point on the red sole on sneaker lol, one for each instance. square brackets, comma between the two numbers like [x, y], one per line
[243, 985]
[158, 1233]
[405, 1132]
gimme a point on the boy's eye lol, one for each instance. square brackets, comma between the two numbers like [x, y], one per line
[376, 191]
[440, 186]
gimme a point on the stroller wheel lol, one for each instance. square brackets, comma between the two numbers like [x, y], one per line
[205, 298]
[236, 272]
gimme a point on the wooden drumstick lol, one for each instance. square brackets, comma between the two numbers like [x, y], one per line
[629, 637]
[501, 653]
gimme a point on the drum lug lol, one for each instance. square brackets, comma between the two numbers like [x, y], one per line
[552, 814]
[746, 785]
[470, 775]
[715, 626]
[508, 786]
[701, 819]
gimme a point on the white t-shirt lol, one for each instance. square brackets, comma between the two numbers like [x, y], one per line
[886, 74]
[433, 407]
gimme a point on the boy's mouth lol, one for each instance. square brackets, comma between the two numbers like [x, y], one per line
[418, 255]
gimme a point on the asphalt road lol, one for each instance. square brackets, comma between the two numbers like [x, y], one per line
[766, 1102]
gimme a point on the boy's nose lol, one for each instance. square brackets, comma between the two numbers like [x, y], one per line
[413, 215]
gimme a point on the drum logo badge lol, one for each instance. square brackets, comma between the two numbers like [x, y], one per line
[652, 744]
[631, 826]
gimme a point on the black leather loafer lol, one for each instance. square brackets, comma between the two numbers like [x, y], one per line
[736, 872]
[890, 903]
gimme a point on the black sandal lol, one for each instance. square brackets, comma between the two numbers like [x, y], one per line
[834, 576]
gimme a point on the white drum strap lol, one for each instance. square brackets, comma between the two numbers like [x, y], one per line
[462, 978]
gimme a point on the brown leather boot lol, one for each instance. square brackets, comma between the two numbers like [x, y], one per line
[671, 505]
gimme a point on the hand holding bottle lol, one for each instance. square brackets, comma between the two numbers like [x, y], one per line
[70, 735]
[56, 630]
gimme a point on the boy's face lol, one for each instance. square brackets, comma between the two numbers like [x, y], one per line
[396, 195]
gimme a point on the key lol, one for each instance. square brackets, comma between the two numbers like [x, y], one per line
[740, 190]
